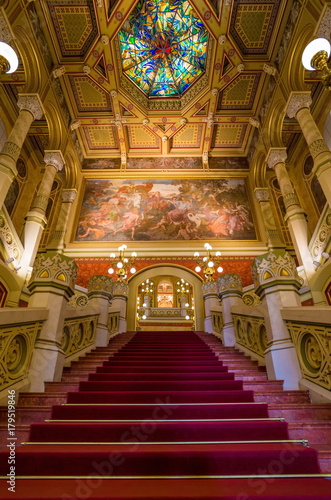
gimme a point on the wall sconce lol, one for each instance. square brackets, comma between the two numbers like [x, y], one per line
[315, 56]
[8, 58]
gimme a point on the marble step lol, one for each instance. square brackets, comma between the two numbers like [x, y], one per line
[283, 397]
[300, 412]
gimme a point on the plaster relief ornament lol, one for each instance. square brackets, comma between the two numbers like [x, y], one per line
[270, 70]
[183, 121]
[58, 72]
[222, 39]
[105, 39]
[75, 124]
[87, 69]
[164, 138]
[214, 92]
[113, 93]
[163, 47]
[145, 121]
[240, 68]
[254, 122]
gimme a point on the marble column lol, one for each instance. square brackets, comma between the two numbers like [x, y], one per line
[35, 220]
[210, 298]
[52, 284]
[68, 197]
[31, 109]
[120, 298]
[230, 293]
[100, 294]
[298, 107]
[274, 238]
[277, 283]
[295, 215]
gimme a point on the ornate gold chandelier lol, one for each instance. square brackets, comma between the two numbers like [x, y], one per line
[208, 264]
[123, 265]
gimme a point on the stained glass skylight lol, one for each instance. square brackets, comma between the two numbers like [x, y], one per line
[163, 47]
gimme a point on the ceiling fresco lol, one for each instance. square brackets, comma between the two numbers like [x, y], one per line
[183, 83]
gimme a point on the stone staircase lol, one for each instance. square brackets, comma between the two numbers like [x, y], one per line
[307, 421]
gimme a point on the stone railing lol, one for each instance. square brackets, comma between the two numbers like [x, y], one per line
[217, 323]
[165, 312]
[17, 342]
[78, 334]
[250, 330]
[13, 248]
[113, 323]
[321, 239]
[310, 331]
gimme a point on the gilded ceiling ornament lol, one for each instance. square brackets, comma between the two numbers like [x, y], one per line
[59, 72]
[105, 39]
[87, 69]
[270, 70]
[222, 39]
[164, 138]
[113, 93]
[75, 124]
[240, 68]
[145, 121]
[254, 122]
[214, 92]
[183, 121]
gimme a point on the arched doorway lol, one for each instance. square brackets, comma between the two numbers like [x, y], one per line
[177, 273]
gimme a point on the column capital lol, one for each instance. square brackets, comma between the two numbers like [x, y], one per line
[262, 194]
[274, 267]
[120, 288]
[210, 287]
[100, 283]
[297, 101]
[32, 103]
[276, 155]
[54, 158]
[68, 195]
[54, 269]
[229, 283]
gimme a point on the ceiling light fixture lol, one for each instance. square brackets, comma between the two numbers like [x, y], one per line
[8, 58]
[316, 56]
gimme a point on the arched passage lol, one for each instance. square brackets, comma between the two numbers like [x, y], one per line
[178, 272]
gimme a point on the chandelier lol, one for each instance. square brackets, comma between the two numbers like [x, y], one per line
[207, 264]
[8, 58]
[122, 266]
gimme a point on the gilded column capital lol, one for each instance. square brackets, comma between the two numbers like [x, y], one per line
[297, 101]
[276, 155]
[229, 283]
[32, 103]
[68, 195]
[272, 267]
[120, 288]
[54, 158]
[53, 268]
[262, 194]
[100, 283]
[210, 287]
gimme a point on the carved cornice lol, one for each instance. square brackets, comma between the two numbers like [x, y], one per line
[55, 159]
[32, 103]
[297, 101]
[276, 155]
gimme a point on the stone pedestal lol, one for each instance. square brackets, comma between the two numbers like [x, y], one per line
[210, 298]
[100, 294]
[120, 298]
[295, 215]
[277, 284]
[230, 293]
[31, 109]
[51, 286]
[36, 218]
[298, 107]
[68, 197]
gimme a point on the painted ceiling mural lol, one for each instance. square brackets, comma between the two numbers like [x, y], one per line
[165, 209]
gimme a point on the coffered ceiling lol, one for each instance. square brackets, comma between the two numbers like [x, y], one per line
[119, 123]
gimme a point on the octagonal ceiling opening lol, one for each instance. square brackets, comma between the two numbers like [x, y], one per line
[163, 46]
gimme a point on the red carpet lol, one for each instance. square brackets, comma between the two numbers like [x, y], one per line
[163, 419]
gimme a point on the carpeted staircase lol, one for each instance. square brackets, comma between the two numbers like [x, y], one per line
[161, 415]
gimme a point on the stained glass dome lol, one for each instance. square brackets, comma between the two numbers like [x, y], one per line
[163, 47]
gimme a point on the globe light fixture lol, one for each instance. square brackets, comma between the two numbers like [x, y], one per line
[207, 264]
[8, 58]
[123, 266]
[316, 56]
